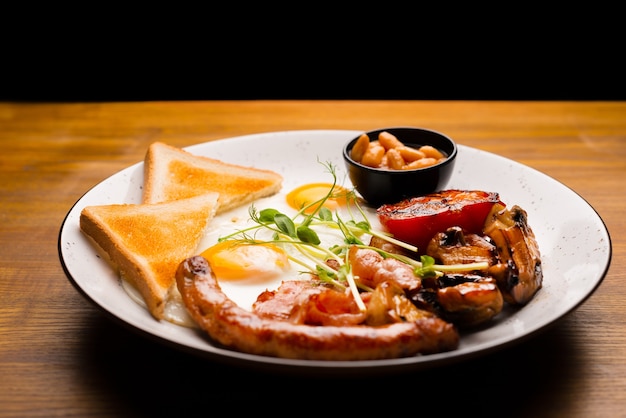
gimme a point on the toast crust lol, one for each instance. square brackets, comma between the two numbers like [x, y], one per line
[171, 173]
[147, 242]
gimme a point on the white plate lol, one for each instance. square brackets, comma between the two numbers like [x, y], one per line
[573, 240]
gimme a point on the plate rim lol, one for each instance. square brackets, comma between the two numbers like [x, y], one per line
[276, 364]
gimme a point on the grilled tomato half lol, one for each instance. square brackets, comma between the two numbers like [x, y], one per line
[416, 220]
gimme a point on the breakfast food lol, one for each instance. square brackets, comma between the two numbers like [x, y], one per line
[306, 196]
[182, 194]
[376, 299]
[388, 152]
[172, 173]
[251, 332]
[358, 293]
[465, 227]
[416, 220]
[519, 269]
[146, 242]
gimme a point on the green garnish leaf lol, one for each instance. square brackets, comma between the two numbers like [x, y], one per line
[268, 215]
[285, 224]
[306, 234]
[427, 269]
[325, 214]
[427, 261]
[365, 226]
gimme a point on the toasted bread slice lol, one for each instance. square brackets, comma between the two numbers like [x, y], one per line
[172, 173]
[147, 242]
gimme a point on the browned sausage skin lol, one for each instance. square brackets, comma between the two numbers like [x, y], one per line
[239, 329]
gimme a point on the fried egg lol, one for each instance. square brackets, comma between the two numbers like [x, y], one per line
[239, 260]
[245, 269]
[310, 193]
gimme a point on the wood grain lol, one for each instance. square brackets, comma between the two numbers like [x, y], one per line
[60, 356]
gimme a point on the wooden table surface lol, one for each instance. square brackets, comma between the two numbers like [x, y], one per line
[60, 356]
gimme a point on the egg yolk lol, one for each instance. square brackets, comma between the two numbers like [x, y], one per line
[308, 193]
[236, 260]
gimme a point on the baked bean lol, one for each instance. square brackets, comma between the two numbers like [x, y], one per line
[359, 147]
[421, 163]
[388, 152]
[389, 141]
[410, 154]
[394, 159]
[431, 151]
[373, 155]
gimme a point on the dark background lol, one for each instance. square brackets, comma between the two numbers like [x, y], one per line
[405, 53]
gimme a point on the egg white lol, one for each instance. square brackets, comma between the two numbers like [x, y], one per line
[244, 292]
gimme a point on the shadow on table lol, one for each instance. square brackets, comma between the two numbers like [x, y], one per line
[144, 378]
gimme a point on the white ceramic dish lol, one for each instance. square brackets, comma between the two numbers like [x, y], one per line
[574, 243]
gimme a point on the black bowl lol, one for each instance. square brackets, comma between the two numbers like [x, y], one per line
[381, 185]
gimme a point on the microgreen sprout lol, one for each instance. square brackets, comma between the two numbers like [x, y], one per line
[299, 232]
